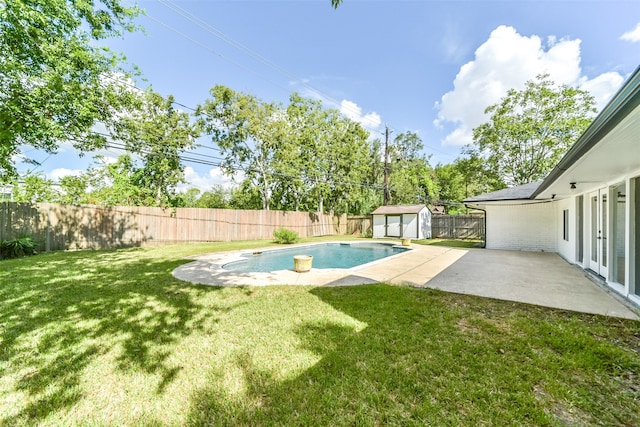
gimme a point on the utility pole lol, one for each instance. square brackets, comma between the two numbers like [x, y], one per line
[386, 166]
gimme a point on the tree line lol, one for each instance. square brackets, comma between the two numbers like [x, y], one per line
[56, 85]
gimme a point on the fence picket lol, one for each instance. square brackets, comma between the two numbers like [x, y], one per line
[61, 227]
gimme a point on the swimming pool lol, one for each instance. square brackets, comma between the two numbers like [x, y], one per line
[326, 255]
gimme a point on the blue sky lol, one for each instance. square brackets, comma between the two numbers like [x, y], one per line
[430, 67]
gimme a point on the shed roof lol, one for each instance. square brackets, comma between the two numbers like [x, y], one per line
[513, 193]
[399, 209]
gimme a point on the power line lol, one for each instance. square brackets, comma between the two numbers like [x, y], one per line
[218, 162]
[212, 51]
[205, 158]
[255, 55]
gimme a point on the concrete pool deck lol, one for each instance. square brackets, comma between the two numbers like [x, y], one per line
[530, 277]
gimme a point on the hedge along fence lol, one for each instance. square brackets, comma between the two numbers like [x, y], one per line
[60, 227]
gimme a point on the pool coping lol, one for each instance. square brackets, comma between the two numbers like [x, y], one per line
[207, 269]
[239, 258]
[505, 275]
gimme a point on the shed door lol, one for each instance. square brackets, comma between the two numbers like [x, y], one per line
[410, 225]
[394, 225]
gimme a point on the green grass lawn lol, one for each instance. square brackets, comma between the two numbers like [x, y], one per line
[111, 338]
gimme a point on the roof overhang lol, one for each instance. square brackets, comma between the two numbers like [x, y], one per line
[609, 149]
[399, 209]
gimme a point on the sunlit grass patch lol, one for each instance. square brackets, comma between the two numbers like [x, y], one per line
[111, 338]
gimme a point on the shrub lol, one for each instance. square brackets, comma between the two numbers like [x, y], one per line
[282, 235]
[16, 248]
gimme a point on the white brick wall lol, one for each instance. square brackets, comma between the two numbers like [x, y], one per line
[525, 227]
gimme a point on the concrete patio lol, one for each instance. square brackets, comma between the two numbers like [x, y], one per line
[530, 277]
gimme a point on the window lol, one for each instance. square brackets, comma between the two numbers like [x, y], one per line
[565, 224]
[618, 232]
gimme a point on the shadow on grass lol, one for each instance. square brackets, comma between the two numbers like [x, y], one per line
[61, 311]
[430, 358]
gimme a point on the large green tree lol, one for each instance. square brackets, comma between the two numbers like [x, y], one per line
[74, 190]
[411, 178]
[248, 131]
[115, 183]
[34, 188]
[467, 176]
[56, 82]
[451, 187]
[326, 156]
[157, 134]
[218, 197]
[297, 157]
[530, 130]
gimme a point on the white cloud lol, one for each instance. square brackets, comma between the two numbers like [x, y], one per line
[507, 60]
[215, 176]
[602, 87]
[351, 110]
[633, 35]
[460, 136]
[58, 173]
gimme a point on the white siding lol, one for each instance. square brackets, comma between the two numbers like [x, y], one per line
[378, 226]
[410, 225]
[414, 226]
[566, 249]
[425, 224]
[522, 225]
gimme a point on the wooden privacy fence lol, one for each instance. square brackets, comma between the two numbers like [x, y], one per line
[360, 225]
[458, 226]
[60, 227]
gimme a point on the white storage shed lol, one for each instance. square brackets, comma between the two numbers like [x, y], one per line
[402, 221]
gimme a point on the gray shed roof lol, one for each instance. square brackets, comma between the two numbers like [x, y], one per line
[399, 209]
[514, 193]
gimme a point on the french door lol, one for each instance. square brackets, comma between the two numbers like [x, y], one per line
[598, 230]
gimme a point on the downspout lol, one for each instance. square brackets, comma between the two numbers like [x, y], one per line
[484, 241]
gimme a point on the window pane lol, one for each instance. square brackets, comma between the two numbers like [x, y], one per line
[618, 233]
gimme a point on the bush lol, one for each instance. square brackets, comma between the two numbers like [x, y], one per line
[282, 235]
[17, 248]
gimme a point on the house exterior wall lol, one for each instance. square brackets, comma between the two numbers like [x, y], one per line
[540, 226]
[527, 226]
[623, 239]
[566, 248]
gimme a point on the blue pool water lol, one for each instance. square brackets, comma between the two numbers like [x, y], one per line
[328, 255]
